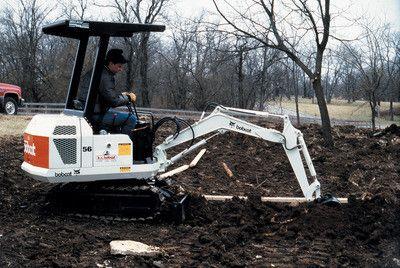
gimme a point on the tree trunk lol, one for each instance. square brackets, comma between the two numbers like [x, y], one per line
[261, 105]
[391, 111]
[373, 116]
[348, 93]
[129, 69]
[295, 79]
[144, 62]
[305, 95]
[372, 104]
[323, 109]
[296, 99]
[261, 100]
[240, 80]
[329, 98]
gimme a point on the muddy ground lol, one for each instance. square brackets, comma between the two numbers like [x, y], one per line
[364, 232]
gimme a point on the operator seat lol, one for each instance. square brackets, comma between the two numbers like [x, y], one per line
[96, 125]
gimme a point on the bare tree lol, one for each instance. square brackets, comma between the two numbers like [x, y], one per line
[141, 11]
[392, 60]
[21, 27]
[295, 83]
[395, 96]
[146, 12]
[276, 33]
[368, 58]
[75, 9]
[347, 75]
[269, 58]
[331, 77]
[178, 59]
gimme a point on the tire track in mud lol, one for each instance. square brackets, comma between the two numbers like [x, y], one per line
[282, 253]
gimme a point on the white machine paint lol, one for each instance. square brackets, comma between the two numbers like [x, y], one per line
[63, 148]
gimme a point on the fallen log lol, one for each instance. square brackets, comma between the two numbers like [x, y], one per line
[174, 172]
[227, 170]
[265, 199]
[197, 158]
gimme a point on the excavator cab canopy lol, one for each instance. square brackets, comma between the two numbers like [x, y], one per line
[82, 30]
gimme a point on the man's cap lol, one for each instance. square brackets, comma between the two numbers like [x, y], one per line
[115, 56]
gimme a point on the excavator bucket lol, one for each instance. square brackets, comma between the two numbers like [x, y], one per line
[329, 200]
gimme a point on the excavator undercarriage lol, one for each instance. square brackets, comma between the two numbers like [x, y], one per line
[124, 200]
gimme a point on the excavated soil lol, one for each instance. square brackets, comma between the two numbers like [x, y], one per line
[364, 232]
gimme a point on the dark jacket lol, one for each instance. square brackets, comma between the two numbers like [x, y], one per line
[107, 96]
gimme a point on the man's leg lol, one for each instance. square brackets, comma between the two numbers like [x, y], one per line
[116, 118]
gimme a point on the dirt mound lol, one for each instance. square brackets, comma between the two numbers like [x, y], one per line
[302, 235]
[392, 129]
[235, 233]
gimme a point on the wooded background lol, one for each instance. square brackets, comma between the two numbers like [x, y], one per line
[242, 55]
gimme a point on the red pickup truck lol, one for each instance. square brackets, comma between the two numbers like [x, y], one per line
[10, 98]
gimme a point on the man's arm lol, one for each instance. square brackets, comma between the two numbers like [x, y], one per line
[108, 94]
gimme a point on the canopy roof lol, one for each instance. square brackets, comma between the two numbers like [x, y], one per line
[78, 29]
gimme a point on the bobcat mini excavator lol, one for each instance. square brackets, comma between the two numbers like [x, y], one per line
[98, 170]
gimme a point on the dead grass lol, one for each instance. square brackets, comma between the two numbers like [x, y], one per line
[13, 124]
[338, 109]
[341, 109]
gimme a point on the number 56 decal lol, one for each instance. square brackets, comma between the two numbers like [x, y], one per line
[87, 148]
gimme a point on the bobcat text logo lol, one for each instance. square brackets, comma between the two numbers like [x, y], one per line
[29, 149]
[243, 128]
[62, 174]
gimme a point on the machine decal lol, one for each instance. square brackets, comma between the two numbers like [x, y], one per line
[36, 150]
[243, 128]
[124, 169]
[107, 157]
[86, 149]
[62, 174]
[77, 171]
[124, 149]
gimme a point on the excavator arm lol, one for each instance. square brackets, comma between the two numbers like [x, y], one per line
[222, 120]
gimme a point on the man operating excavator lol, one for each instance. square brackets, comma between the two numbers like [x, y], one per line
[108, 98]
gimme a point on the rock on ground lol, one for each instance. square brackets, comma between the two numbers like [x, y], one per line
[129, 247]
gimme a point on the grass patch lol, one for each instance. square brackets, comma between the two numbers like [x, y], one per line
[341, 109]
[13, 125]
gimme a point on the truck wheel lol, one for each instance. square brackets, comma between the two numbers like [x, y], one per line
[10, 106]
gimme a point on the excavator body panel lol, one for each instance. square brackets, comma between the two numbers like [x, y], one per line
[63, 148]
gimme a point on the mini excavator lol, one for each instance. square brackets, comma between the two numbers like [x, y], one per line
[96, 168]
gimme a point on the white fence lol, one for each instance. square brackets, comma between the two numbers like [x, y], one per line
[31, 108]
[54, 108]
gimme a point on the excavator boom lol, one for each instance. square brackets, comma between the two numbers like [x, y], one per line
[221, 120]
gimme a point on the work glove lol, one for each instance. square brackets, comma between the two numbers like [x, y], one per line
[131, 96]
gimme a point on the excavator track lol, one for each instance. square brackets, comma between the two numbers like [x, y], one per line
[132, 200]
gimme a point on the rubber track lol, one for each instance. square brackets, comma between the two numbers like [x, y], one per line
[117, 201]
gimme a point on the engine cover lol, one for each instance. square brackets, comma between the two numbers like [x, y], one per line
[62, 148]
